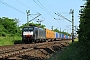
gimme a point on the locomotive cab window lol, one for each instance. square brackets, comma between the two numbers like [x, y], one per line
[28, 29]
[25, 29]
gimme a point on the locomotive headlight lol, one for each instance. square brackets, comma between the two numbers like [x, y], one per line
[24, 33]
[31, 33]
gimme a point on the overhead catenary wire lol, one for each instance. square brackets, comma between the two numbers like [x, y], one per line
[11, 6]
[26, 5]
[22, 3]
[62, 16]
[38, 4]
[42, 5]
[54, 9]
[50, 6]
[38, 14]
[43, 8]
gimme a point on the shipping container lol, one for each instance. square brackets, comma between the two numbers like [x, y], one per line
[67, 37]
[56, 35]
[50, 34]
[62, 36]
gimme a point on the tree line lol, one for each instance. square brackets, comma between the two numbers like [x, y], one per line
[84, 31]
[9, 27]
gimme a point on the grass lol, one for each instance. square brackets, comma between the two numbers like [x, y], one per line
[75, 51]
[71, 52]
[9, 40]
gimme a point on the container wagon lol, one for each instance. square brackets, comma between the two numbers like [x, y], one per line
[50, 35]
[67, 37]
[57, 36]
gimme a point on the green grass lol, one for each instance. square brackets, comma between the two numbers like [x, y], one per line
[75, 51]
[69, 53]
[9, 40]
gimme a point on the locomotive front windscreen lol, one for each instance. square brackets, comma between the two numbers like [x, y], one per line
[28, 29]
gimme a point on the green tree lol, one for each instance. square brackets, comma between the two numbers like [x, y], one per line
[9, 26]
[56, 30]
[84, 31]
[32, 24]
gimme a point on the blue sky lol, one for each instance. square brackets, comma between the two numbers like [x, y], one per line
[17, 9]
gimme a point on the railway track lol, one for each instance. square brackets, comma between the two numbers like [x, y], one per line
[8, 52]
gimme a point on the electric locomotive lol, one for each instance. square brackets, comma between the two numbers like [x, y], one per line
[33, 34]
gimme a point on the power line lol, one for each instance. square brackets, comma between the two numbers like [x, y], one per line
[54, 9]
[43, 8]
[50, 6]
[11, 6]
[35, 17]
[22, 3]
[29, 12]
[25, 5]
[42, 5]
[38, 4]
[62, 16]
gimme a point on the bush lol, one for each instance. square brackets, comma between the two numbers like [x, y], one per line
[3, 34]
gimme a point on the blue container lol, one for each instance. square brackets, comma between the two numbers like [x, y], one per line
[57, 35]
[66, 37]
[62, 36]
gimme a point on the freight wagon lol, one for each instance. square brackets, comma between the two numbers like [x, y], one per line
[50, 35]
[66, 37]
[57, 36]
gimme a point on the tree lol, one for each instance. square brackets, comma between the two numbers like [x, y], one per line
[9, 26]
[32, 24]
[84, 31]
[56, 30]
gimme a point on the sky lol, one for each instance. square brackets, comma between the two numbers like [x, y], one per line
[47, 8]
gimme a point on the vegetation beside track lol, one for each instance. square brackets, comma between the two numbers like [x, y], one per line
[71, 52]
[75, 51]
[10, 40]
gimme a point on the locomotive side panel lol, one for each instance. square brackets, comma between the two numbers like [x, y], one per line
[41, 33]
